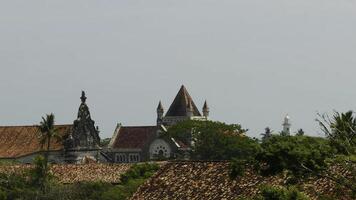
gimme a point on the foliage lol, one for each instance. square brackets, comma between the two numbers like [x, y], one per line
[105, 142]
[28, 186]
[237, 168]
[215, 140]
[267, 134]
[300, 155]
[138, 171]
[39, 175]
[275, 193]
[48, 131]
[340, 130]
[8, 162]
[300, 132]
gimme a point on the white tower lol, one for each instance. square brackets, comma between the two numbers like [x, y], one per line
[286, 125]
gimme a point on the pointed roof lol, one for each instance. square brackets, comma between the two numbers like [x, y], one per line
[205, 107]
[181, 104]
[160, 107]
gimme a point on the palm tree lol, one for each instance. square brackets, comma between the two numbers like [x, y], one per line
[341, 130]
[48, 131]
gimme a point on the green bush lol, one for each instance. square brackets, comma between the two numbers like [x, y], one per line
[23, 187]
[215, 140]
[300, 155]
[139, 171]
[275, 193]
[3, 195]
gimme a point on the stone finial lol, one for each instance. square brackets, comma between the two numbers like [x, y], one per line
[83, 97]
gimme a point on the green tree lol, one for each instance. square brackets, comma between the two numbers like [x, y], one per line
[300, 155]
[47, 132]
[267, 134]
[340, 129]
[214, 140]
[300, 132]
[39, 175]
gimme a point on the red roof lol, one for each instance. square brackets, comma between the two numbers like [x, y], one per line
[134, 137]
[17, 141]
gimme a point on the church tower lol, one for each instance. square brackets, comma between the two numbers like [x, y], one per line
[286, 125]
[182, 108]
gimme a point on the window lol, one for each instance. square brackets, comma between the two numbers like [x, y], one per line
[121, 158]
[134, 157]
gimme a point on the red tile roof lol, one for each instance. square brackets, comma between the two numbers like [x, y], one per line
[73, 173]
[210, 180]
[134, 137]
[17, 141]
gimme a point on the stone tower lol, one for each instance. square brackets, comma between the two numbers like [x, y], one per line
[160, 113]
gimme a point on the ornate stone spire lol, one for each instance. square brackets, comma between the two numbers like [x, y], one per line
[85, 134]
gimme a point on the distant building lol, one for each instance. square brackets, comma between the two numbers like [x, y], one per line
[286, 125]
[142, 143]
[80, 141]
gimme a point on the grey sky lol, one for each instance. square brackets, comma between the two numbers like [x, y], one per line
[253, 60]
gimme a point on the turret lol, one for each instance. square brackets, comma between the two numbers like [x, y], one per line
[190, 109]
[206, 110]
[286, 125]
[160, 112]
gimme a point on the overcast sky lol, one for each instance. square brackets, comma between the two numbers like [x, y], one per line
[253, 60]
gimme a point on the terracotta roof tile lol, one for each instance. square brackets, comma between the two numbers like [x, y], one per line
[134, 137]
[17, 141]
[72, 173]
[210, 180]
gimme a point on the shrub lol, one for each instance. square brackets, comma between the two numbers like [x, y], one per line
[139, 171]
[275, 193]
[300, 155]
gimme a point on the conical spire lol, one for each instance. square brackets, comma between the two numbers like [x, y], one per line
[160, 107]
[206, 109]
[181, 103]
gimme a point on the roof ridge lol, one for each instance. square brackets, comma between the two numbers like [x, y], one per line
[139, 126]
[34, 125]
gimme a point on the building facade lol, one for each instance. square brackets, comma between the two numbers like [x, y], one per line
[143, 143]
[79, 141]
